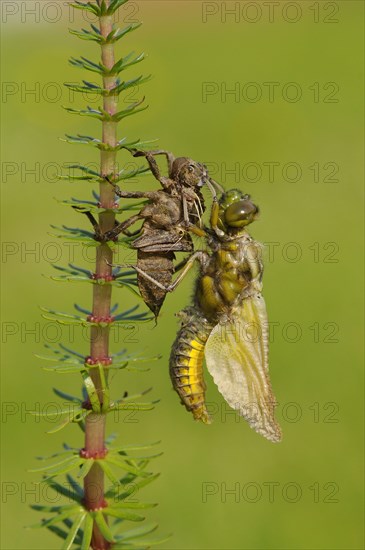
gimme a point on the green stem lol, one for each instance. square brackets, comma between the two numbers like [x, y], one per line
[95, 424]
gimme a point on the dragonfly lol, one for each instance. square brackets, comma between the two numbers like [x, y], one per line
[227, 322]
[170, 215]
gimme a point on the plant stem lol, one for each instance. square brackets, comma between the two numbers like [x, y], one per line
[95, 424]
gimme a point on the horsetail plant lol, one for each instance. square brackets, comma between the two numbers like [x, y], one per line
[94, 515]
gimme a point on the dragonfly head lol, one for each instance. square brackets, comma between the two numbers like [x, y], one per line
[236, 210]
[188, 172]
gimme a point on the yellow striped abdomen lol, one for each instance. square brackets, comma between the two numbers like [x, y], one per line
[186, 363]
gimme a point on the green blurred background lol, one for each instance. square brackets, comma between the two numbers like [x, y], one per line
[307, 491]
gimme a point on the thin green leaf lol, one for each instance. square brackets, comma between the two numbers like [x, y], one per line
[133, 397]
[75, 460]
[125, 466]
[76, 231]
[58, 412]
[69, 493]
[53, 509]
[58, 518]
[57, 531]
[139, 457]
[108, 472]
[117, 34]
[103, 526]
[92, 8]
[83, 168]
[88, 531]
[125, 62]
[134, 82]
[93, 113]
[134, 407]
[103, 7]
[132, 110]
[128, 174]
[87, 88]
[92, 392]
[134, 505]
[66, 396]
[77, 417]
[73, 531]
[83, 140]
[133, 485]
[121, 514]
[137, 532]
[128, 448]
[55, 455]
[62, 470]
[65, 369]
[114, 5]
[73, 272]
[105, 389]
[84, 63]
[86, 467]
[75, 486]
[88, 35]
[147, 543]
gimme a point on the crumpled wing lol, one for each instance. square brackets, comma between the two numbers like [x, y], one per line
[237, 358]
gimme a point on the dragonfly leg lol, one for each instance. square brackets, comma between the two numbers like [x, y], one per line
[169, 157]
[130, 194]
[196, 256]
[185, 211]
[211, 188]
[199, 256]
[214, 218]
[204, 256]
[198, 231]
[216, 185]
[117, 229]
[181, 264]
[149, 156]
[199, 209]
[131, 233]
[122, 227]
[93, 221]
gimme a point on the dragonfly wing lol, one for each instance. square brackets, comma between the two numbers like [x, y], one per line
[237, 358]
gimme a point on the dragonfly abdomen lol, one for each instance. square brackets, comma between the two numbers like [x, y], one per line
[186, 364]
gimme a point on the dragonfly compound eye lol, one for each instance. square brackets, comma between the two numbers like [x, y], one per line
[240, 213]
